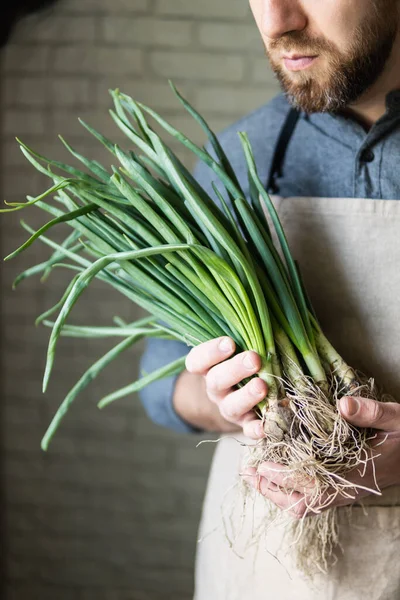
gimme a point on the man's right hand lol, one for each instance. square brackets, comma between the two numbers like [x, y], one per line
[221, 372]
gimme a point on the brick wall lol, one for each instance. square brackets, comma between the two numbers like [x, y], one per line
[111, 511]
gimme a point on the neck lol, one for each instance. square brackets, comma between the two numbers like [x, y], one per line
[371, 106]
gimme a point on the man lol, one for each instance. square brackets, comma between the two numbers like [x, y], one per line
[338, 62]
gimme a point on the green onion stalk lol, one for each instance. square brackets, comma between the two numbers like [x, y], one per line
[201, 269]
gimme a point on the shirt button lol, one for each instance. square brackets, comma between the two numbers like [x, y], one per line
[367, 156]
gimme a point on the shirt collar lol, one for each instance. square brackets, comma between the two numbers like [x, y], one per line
[345, 129]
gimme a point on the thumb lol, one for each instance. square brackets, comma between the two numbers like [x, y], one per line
[364, 412]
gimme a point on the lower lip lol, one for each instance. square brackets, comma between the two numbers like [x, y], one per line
[298, 64]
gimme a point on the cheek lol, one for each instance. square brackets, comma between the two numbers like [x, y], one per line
[332, 20]
[336, 20]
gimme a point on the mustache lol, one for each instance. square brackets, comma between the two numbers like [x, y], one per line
[300, 42]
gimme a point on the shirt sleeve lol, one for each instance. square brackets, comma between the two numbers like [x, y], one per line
[157, 397]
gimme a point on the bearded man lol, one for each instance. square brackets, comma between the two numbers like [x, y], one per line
[329, 147]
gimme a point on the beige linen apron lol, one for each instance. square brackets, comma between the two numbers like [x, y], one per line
[349, 253]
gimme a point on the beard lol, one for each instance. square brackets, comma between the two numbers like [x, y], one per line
[347, 75]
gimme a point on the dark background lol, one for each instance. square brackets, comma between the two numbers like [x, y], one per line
[111, 511]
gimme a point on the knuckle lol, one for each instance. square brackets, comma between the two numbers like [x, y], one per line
[257, 387]
[250, 430]
[249, 361]
[211, 381]
[255, 357]
[230, 412]
[203, 357]
[376, 412]
[214, 385]
[224, 345]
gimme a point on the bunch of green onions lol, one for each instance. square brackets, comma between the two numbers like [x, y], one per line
[201, 270]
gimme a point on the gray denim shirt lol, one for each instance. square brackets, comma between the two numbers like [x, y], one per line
[328, 156]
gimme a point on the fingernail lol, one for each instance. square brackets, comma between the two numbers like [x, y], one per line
[248, 362]
[226, 345]
[257, 387]
[350, 405]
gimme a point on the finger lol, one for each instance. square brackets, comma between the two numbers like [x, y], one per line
[287, 481]
[236, 404]
[223, 377]
[286, 478]
[204, 356]
[364, 412]
[252, 427]
[292, 502]
[258, 482]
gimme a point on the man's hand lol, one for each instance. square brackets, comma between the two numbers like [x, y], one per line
[221, 372]
[274, 483]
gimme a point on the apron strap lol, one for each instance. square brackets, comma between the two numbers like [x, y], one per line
[282, 143]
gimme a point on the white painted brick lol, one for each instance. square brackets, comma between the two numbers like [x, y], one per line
[71, 92]
[95, 60]
[21, 122]
[195, 66]
[66, 123]
[57, 29]
[189, 160]
[12, 155]
[147, 32]
[187, 125]
[235, 102]
[219, 122]
[25, 59]
[184, 123]
[63, 91]
[262, 73]
[209, 9]
[21, 182]
[227, 36]
[27, 91]
[104, 6]
[155, 94]
[49, 146]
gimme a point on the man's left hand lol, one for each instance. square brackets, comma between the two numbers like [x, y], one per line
[274, 482]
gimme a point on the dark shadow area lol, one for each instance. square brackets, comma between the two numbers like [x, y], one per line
[17, 10]
[13, 12]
